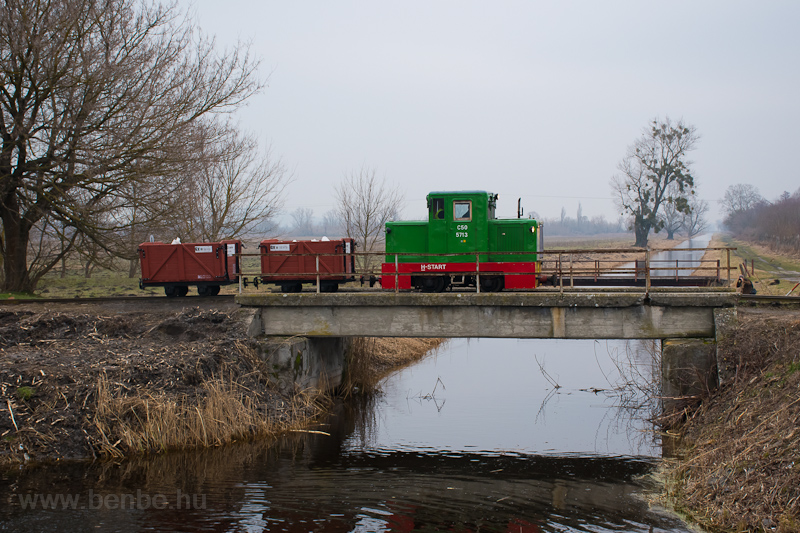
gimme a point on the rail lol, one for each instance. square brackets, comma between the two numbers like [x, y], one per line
[555, 266]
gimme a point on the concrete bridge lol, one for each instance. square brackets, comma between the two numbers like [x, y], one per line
[688, 322]
[616, 314]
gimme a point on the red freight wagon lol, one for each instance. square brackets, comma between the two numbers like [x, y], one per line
[292, 263]
[206, 265]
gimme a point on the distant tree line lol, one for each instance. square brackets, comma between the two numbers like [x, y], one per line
[580, 224]
[751, 217]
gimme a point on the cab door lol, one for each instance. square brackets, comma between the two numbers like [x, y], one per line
[437, 229]
[462, 230]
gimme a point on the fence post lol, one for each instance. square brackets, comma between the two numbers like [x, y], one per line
[317, 274]
[560, 275]
[717, 269]
[396, 274]
[676, 270]
[728, 268]
[647, 271]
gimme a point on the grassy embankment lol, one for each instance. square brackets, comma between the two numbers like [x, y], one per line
[738, 461]
[76, 382]
[769, 266]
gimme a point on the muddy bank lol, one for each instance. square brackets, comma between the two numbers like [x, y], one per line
[82, 383]
[738, 465]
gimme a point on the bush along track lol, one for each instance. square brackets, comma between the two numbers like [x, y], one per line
[738, 462]
[87, 385]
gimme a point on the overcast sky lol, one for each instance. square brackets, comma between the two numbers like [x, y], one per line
[527, 99]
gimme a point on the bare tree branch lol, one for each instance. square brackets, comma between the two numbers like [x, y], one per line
[653, 164]
[365, 204]
[97, 95]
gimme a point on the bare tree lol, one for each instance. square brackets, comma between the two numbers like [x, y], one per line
[656, 161]
[332, 224]
[98, 94]
[695, 222]
[303, 222]
[740, 197]
[672, 219]
[365, 204]
[233, 187]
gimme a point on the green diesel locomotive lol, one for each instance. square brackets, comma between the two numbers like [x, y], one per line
[461, 244]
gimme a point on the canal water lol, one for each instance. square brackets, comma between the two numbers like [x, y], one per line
[483, 435]
[680, 260]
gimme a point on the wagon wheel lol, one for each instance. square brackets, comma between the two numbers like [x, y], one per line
[171, 291]
[213, 290]
[294, 286]
[203, 290]
[433, 283]
[492, 283]
[329, 286]
[183, 290]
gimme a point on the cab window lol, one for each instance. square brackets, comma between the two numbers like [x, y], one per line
[437, 209]
[462, 210]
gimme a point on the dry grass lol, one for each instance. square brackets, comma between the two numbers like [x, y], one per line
[90, 385]
[739, 468]
[154, 421]
[775, 274]
[370, 359]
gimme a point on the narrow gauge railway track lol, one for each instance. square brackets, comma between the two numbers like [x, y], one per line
[766, 299]
[225, 298]
[745, 299]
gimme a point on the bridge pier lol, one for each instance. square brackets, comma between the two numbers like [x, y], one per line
[300, 362]
[692, 368]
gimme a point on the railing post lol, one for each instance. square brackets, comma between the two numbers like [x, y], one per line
[676, 270]
[478, 272]
[571, 279]
[560, 275]
[317, 257]
[717, 269]
[647, 271]
[396, 274]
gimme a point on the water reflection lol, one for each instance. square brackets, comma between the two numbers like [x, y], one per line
[495, 398]
[487, 452]
[297, 485]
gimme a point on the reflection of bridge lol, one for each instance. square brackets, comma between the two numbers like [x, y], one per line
[541, 314]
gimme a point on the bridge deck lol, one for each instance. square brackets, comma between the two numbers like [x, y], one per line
[542, 314]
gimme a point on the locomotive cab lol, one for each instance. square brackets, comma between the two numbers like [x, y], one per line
[453, 248]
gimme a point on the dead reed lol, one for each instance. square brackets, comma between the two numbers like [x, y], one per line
[739, 468]
[228, 406]
[370, 359]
